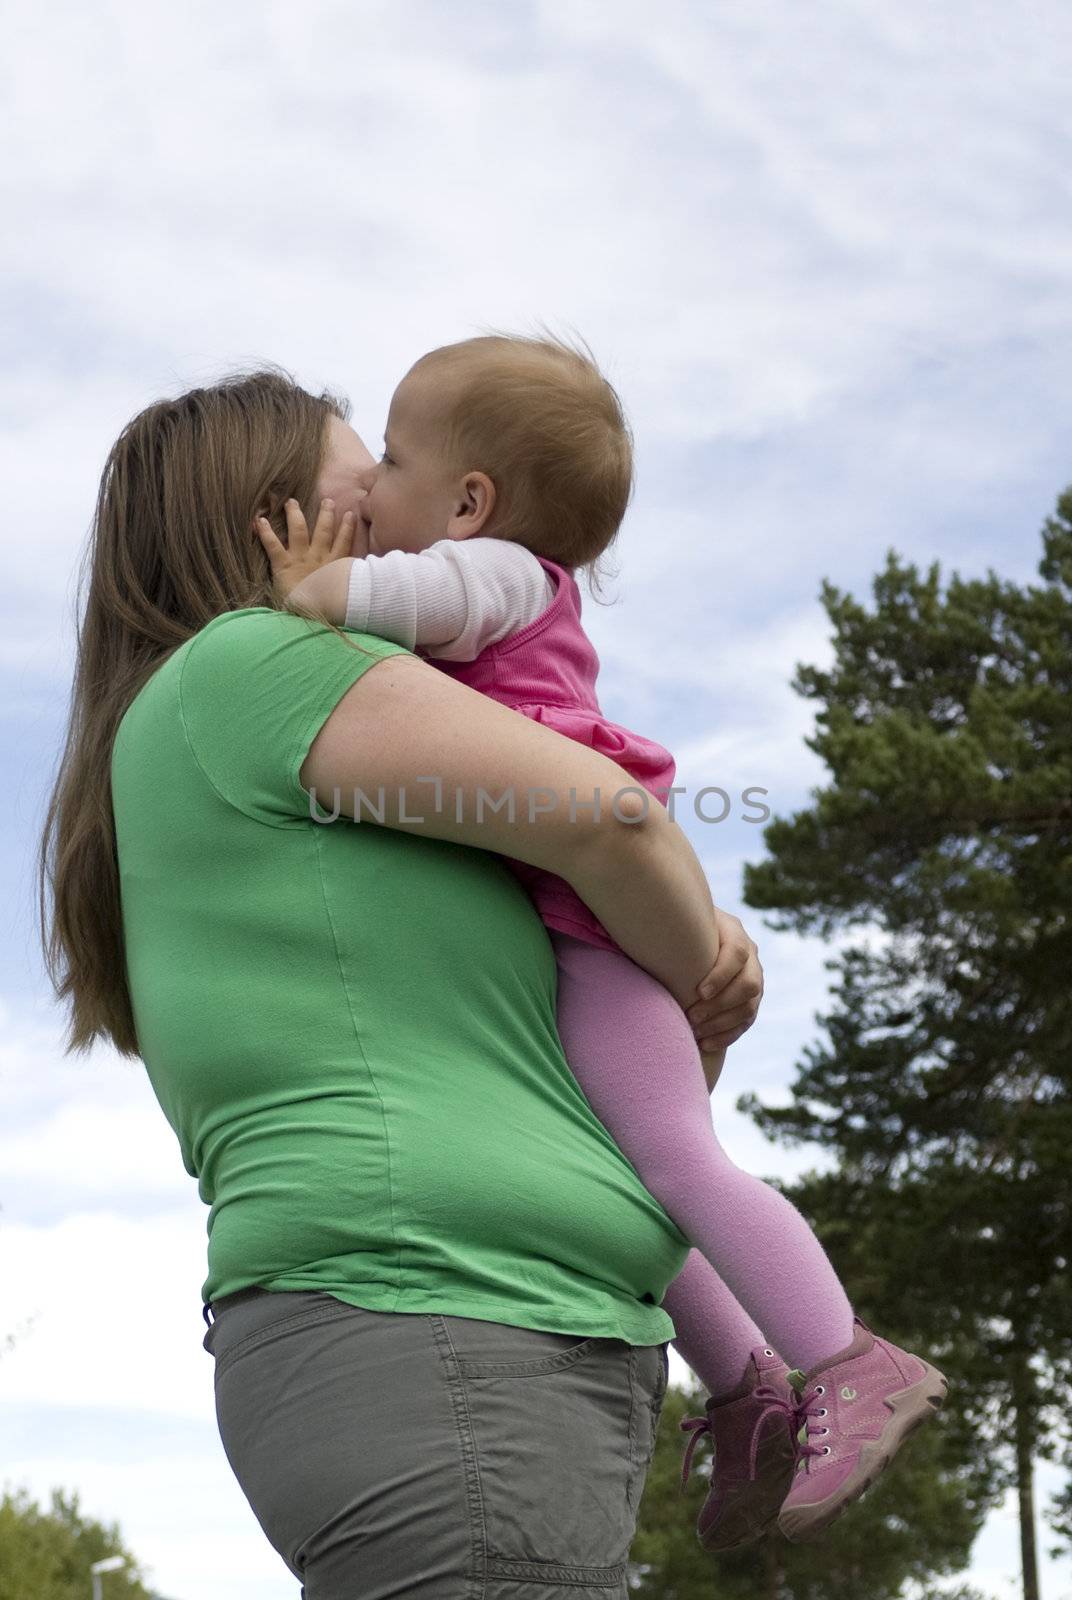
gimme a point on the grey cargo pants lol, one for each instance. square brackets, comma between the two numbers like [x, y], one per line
[434, 1457]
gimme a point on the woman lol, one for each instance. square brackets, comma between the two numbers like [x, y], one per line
[435, 1281]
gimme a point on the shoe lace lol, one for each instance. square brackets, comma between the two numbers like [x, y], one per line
[771, 1400]
[806, 1410]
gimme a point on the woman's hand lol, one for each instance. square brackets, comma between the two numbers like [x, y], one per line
[301, 556]
[731, 992]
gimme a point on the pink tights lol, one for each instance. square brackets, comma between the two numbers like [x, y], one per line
[758, 1275]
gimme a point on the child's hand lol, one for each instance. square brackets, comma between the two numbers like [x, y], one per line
[731, 992]
[300, 556]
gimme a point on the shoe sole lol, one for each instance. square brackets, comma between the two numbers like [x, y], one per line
[758, 1501]
[911, 1408]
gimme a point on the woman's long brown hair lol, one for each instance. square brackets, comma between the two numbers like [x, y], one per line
[172, 546]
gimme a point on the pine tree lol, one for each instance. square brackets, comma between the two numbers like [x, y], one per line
[945, 831]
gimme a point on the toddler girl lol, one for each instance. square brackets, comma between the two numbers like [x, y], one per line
[508, 465]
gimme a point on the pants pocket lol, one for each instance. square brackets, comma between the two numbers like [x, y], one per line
[556, 1432]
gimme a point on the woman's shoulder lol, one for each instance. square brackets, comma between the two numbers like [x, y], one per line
[234, 632]
[245, 638]
[219, 651]
[260, 666]
[246, 626]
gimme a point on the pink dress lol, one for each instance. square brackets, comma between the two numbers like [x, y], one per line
[547, 671]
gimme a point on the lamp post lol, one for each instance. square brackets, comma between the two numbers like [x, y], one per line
[109, 1564]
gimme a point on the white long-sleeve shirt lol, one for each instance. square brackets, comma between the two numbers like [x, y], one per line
[453, 599]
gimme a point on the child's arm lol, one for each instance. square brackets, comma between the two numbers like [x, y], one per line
[451, 600]
[728, 997]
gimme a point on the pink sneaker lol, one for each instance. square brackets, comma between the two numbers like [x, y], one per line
[870, 1398]
[754, 1454]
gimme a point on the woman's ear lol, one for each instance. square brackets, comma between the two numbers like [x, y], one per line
[473, 507]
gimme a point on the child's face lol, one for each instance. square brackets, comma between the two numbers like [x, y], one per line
[412, 495]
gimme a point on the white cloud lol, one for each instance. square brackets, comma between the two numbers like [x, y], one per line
[78, 1131]
[86, 1282]
[88, 1150]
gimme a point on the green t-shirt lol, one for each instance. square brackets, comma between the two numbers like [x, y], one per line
[351, 1030]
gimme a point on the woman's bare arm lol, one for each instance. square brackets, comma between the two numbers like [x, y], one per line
[410, 731]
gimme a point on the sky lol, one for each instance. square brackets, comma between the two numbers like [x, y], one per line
[824, 254]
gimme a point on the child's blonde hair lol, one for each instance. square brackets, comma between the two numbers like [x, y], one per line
[538, 416]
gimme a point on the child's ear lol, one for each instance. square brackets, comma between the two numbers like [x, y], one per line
[473, 507]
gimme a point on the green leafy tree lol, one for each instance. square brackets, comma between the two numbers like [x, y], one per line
[47, 1555]
[944, 1089]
